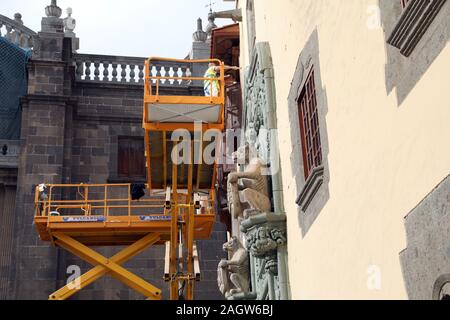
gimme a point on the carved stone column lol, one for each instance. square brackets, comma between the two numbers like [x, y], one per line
[255, 193]
[265, 235]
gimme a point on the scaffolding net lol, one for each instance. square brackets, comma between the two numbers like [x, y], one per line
[13, 86]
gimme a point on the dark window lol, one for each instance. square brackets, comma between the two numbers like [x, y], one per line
[404, 3]
[131, 162]
[309, 126]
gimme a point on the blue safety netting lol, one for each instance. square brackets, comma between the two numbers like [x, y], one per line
[13, 86]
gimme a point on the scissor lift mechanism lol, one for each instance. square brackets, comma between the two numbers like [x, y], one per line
[180, 210]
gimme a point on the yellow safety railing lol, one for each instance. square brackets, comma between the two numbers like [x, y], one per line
[155, 81]
[99, 200]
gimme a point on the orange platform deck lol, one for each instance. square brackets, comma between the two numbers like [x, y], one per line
[116, 230]
[105, 215]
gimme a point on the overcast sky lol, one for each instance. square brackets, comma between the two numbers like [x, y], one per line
[138, 28]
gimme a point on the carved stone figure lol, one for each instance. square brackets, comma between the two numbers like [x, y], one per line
[69, 23]
[233, 274]
[252, 183]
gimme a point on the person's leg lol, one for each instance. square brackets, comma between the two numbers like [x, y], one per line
[215, 89]
[207, 88]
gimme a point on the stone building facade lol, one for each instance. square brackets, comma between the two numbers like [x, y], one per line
[76, 121]
[361, 118]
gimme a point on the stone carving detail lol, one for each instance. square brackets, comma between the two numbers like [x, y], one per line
[256, 109]
[251, 182]
[414, 21]
[265, 240]
[265, 236]
[249, 196]
[233, 274]
[53, 10]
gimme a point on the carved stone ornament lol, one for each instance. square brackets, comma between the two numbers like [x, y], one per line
[264, 240]
[53, 10]
[265, 236]
[249, 195]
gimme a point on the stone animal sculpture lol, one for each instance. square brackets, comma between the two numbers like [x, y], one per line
[252, 184]
[233, 274]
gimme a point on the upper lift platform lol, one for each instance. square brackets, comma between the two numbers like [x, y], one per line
[182, 106]
[172, 111]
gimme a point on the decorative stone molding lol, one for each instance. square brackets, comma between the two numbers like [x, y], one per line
[413, 23]
[259, 114]
[53, 10]
[266, 241]
[311, 187]
[251, 25]
[257, 165]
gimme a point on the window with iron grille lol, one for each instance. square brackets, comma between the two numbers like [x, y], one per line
[309, 126]
[131, 158]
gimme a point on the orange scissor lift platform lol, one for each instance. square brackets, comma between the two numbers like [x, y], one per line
[179, 205]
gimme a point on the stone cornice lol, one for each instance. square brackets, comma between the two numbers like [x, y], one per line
[412, 24]
[108, 118]
[266, 217]
[312, 184]
[53, 99]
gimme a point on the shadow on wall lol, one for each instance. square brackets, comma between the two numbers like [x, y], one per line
[402, 72]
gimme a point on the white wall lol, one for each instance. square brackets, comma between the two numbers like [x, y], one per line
[383, 158]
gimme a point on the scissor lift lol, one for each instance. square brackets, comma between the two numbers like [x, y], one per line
[178, 209]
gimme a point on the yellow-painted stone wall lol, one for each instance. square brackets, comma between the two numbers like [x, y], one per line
[384, 157]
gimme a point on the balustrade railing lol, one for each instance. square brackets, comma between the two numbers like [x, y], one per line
[129, 70]
[16, 32]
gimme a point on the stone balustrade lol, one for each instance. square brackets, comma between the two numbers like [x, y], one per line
[16, 32]
[129, 70]
[114, 69]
